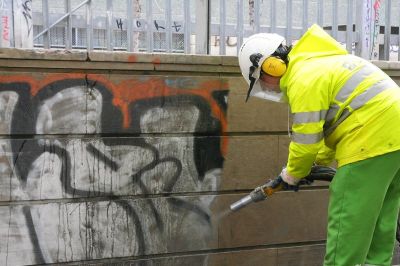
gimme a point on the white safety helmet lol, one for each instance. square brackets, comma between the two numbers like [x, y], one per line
[252, 55]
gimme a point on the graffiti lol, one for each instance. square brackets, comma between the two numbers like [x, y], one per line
[119, 23]
[375, 45]
[367, 25]
[6, 30]
[127, 159]
[370, 32]
[251, 13]
[27, 12]
[176, 26]
[158, 27]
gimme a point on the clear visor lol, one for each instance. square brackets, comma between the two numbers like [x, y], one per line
[262, 91]
[268, 95]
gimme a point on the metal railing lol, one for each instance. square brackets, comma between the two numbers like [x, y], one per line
[369, 28]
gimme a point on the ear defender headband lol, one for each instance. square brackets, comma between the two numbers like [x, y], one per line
[274, 66]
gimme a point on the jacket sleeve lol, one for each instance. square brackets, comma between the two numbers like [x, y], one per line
[309, 108]
[301, 158]
[325, 156]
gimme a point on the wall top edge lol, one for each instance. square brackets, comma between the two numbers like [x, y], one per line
[131, 58]
[112, 56]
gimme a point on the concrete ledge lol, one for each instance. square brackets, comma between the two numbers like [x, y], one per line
[381, 64]
[162, 58]
[123, 57]
[387, 65]
[395, 65]
[41, 54]
[123, 61]
[127, 57]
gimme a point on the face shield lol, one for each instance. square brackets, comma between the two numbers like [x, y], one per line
[259, 86]
[260, 90]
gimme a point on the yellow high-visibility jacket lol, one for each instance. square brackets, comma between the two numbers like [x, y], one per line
[343, 106]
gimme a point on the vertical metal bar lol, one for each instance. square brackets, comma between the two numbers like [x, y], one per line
[168, 28]
[257, 10]
[109, 25]
[305, 15]
[289, 14]
[11, 25]
[376, 49]
[273, 16]
[89, 27]
[386, 42]
[320, 13]
[358, 28]
[149, 16]
[45, 13]
[188, 22]
[349, 26]
[129, 34]
[222, 22]
[335, 19]
[239, 25]
[22, 24]
[202, 26]
[365, 28]
[68, 39]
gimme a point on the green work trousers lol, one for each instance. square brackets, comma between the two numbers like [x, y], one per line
[363, 209]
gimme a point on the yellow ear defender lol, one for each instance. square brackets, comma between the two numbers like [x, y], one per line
[274, 66]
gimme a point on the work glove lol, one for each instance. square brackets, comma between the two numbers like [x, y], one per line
[287, 181]
[318, 172]
[288, 178]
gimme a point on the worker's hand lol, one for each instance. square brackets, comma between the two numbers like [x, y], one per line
[281, 181]
[289, 179]
[293, 183]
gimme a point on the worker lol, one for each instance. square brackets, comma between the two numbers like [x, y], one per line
[343, 108]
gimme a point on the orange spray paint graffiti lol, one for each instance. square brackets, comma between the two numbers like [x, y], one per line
[132, 90]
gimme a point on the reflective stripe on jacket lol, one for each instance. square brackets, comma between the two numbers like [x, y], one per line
[340, 103]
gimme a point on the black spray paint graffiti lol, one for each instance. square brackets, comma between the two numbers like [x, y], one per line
[27, 12]
[119, 23]
[112, 167]
[157, 25]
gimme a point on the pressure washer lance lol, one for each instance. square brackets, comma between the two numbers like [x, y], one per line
[318, 172]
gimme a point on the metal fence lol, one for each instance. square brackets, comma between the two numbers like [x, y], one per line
[369, 28]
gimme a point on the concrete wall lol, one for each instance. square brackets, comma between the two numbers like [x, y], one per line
[134, 159]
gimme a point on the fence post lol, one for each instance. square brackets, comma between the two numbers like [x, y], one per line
[388, 30]
[23, 25]
[68, 39]
[6, 24]
[377, 49]
[109, 25]
[202, 26]
[367, 28]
